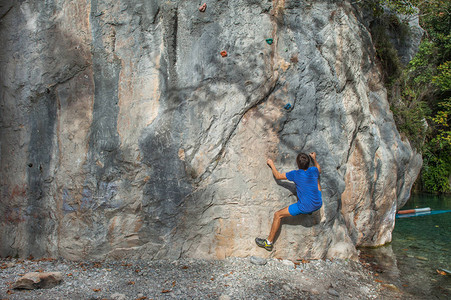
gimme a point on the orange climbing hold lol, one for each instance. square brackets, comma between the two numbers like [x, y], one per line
[203, 7]
[223, 53]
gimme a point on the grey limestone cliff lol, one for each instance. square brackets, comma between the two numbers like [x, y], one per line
[125, 133]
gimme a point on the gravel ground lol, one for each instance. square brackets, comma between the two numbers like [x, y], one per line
[232, 278]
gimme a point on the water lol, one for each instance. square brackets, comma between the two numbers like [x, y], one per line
[420, 248]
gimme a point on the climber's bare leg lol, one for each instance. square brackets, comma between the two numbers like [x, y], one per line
[278, 215]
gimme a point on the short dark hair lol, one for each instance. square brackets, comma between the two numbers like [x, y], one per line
[303, 161]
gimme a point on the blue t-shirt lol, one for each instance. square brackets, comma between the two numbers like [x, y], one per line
[309, 197]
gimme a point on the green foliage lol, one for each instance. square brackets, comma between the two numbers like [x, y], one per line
[422, 67]
[437, 156]
[443, 78]
[410, 119]
[420, 93]
[386, 53]
[407, 96]
[401, 7]
[435, 174]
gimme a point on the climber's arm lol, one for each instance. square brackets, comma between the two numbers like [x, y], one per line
[315, 162]
[277, 174]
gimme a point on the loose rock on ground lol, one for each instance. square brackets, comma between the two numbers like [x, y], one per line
[232, 278]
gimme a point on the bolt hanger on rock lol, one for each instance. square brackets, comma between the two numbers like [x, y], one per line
[203, 7]
[287, 106]
[269, 41]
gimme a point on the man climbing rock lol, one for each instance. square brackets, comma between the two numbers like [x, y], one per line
[308, 191]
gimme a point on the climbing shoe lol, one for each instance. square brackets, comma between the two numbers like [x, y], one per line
[263, 243]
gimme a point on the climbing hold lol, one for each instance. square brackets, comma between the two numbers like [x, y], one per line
[223, 53]
[269, 41]
[287, 106]
[203, 7]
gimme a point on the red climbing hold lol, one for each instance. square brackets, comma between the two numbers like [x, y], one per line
[203, 7]
[223, 53]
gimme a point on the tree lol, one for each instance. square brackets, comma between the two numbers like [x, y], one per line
[420, 93]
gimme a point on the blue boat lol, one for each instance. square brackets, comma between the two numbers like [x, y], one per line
[419, 214]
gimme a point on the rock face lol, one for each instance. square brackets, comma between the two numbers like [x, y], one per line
[407, 44]
[125, 133]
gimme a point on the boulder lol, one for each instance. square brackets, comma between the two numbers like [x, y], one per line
[37, 280]
[333, 292]
[258, 260]
[118, 296]
[126, 134]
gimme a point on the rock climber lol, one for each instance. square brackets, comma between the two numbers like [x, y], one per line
[308, 191]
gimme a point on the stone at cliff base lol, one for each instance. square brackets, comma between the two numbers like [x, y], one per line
[391, 287]
[288, 263]
[333, 292]
[36, 280]
[117, 296]
[258, 260]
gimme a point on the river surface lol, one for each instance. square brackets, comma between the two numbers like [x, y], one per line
[420, 249]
